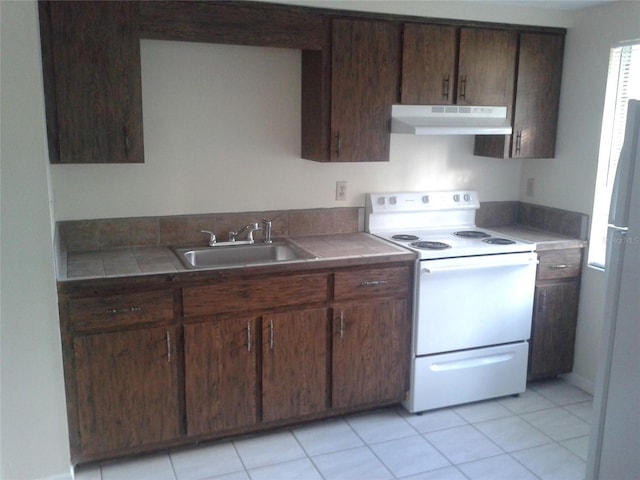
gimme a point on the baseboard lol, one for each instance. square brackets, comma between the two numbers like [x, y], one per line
[580, 382]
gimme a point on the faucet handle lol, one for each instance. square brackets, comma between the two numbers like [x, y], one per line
[212, 237]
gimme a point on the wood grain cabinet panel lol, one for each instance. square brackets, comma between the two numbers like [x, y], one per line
[127, 389]
[555, 313]
[91, 60]
[372, 283]
[370, 353]
[221, 376]
[537, 98]
[365, 76]
[487, 67]
[429, 64]
[294, 364]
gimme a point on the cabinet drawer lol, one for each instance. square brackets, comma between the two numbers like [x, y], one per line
[120, 310]
[254, 294]
[559, 264]
[373, 282]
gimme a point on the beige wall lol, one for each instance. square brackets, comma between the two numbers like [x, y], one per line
[32, 415]
[568, 181]
[247, 156]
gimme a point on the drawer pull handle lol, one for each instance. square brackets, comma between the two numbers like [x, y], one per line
[248, 336]
[369, 283]
[117, 311]
[560, 266]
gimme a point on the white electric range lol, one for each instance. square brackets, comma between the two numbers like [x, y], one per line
[473, 297]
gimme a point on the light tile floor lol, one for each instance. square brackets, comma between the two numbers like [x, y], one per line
[542, 434]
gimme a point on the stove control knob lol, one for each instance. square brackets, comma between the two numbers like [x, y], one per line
[380, 200]
[425, 199]
[456, 198]
[467, 197]
[393, 200]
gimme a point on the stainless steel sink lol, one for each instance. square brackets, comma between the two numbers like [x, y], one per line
[239, 255]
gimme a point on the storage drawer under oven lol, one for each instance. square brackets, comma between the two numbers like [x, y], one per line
[455, 378]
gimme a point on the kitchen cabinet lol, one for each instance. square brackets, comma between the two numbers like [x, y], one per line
[122, 372]
[92, 81]
[237, 377]
[444, 64]
[371, 337]
[537, 98]
[357, 91]
[294, 364]
[221, 376]
[555, 313]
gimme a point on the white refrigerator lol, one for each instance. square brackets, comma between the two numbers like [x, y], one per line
[614, 450]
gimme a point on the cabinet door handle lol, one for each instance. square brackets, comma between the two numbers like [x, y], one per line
[341, 328]
[271, 339]
[338, 145]
[118, 311]
[168, 347]
[248, 336]
[518, 142]
[463, 87]
[369, 283]
[445, 87]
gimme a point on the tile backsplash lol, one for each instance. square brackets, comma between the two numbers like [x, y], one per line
[100, 234]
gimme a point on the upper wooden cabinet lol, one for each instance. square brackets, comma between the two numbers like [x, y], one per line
[93, 94]
[363, 83]
[466, 66]
[537, 97]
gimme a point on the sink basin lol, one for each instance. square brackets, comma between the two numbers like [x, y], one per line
[239, 255]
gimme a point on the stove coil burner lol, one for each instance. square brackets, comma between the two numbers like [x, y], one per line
[472, 234]
[499, 241]
[431, 245]
[406, 238]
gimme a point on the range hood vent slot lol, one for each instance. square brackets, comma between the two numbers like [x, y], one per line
[449, 120]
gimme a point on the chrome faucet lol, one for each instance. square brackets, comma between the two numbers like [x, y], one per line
[250, 227]
[266, 226]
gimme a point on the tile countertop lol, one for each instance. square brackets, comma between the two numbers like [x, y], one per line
[543, 239]
[330, 251]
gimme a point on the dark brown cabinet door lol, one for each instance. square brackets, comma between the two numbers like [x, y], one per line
[365, 83]
[92, 71]
[486, 68]
[428, 64]
[537, 96]
[371, 352]
[220, 375]
[294, 364]
[127, 389]
[554, 329]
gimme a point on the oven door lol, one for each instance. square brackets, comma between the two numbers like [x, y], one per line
[471, 302]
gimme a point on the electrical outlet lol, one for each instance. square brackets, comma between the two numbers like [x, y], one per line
[341, 190]
[530, 187]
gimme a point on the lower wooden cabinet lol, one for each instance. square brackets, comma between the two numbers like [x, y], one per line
[221, 384]
[146, 370]
[370, 345]
[555, 313]
[294, 364]
[127, 389]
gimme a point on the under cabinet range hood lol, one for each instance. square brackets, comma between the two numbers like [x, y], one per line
[449, 120]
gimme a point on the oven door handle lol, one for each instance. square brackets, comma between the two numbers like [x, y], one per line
[470, 266]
